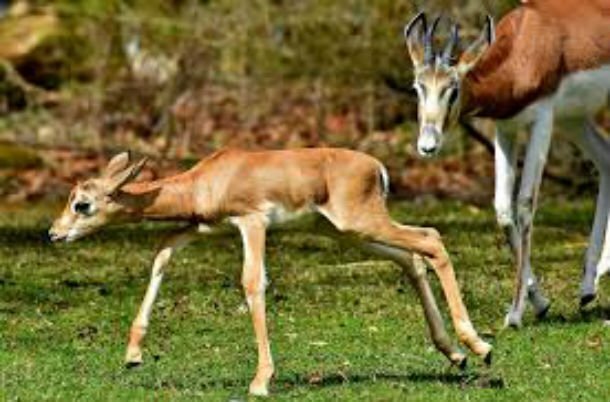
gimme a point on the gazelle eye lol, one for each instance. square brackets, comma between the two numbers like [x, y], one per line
[453, 96]
[82, 208]
[421, 90]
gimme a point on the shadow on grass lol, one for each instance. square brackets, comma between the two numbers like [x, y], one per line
[286, 383]
[464, 380]
[23, 237]
[37, 235]
[588, 315]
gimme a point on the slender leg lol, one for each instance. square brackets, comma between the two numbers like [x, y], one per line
[598, 149]
[416, 274]
[429, 245]
[588, 289]
[252, 229]
[603, 267]
[505, 164]
[535, 160]
[140, 323]
[505, 169]
[602, 146]
[370, 220]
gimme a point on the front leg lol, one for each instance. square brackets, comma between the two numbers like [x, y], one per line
[139, 326]
[505, 170]
[535, 159]
[252, 229]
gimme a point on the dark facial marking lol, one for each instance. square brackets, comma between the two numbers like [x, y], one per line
[82, 208]
[453, 97]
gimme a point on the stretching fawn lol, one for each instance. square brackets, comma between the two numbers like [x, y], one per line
[250, 190]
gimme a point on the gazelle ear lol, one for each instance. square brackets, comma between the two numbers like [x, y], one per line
[117, 164]
[122, 178]
[415, 34]
[475, 51]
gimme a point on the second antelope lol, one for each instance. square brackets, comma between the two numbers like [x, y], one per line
[253, 190]
[549, 57]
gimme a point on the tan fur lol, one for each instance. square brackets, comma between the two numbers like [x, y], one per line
[246, 188]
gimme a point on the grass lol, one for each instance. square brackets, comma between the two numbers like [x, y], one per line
[343, 326]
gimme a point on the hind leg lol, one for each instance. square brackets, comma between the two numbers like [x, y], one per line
[416, 274]
[598, 150]
[370, 220]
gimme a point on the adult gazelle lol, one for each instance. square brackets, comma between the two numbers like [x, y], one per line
[547, 60]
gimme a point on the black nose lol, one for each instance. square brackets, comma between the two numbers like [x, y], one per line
[428, 149]
[53, 237]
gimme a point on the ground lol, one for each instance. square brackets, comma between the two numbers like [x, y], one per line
[343, 326]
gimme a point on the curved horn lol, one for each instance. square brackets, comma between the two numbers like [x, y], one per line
[491, 29]
[451, 45]
[428, 45]
[421, 17]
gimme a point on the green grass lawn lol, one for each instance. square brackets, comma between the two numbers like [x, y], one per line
[343, 326]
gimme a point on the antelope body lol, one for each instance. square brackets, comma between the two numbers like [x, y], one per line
[251, 190]
[536, 48]
[549, 58]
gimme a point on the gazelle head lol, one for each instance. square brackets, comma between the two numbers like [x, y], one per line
[92, 203]
[438, 78]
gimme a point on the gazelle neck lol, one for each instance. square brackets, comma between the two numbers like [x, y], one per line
[165, 199]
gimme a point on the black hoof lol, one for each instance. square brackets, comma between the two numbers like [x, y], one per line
[463, 364]
[540, 315]
[131, 365]
[586, 299]
[487, 359]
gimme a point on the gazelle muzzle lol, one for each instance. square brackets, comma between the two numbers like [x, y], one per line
[430, 141]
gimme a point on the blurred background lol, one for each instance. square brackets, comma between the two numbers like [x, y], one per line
[177, 79]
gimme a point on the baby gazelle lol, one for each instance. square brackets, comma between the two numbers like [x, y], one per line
[250, 190]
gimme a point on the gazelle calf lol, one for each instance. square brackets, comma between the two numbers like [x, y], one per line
[250, 190]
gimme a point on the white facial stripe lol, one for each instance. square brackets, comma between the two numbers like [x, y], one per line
[436, 102]
[420, 90]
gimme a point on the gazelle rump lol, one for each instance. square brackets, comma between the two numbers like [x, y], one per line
[547, 59]
[251, 190]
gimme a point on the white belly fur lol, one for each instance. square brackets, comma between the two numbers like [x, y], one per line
[278, 214]
[580, 94]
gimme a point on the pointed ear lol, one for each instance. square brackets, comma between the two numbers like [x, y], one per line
[117, 164]
[415, 34]
[122, 178]
[475, 51]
